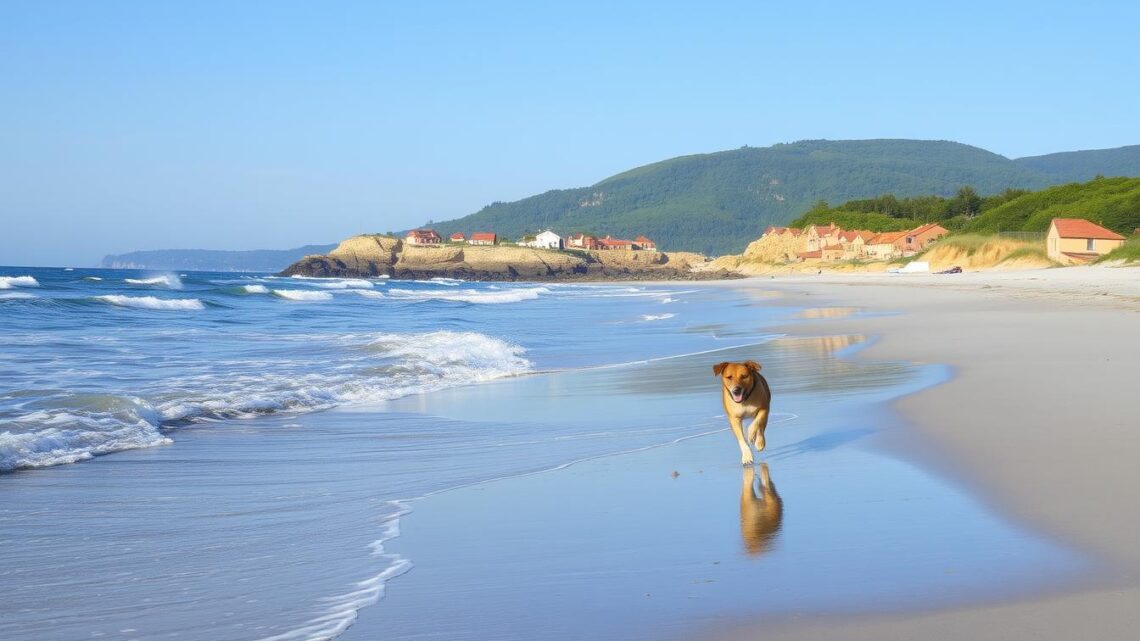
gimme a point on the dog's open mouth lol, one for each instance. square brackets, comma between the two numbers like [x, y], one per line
[737, 394]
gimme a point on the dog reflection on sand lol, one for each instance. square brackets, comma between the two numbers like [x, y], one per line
[761, 511]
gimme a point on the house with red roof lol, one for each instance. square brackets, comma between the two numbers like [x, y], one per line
[615, 243]
[643, 243]
[483, 238]
[884, 246]
[581, 241]
[423, 237]
[1075, 241]
[918, 238]
[458, 237]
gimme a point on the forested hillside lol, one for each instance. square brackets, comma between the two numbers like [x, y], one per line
[1072, 166]
[716, 203]
[1112, 202]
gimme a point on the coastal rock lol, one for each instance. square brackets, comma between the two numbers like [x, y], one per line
[375, 255]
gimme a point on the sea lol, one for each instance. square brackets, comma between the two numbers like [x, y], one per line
[196, 455]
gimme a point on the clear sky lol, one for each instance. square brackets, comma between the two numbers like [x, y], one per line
[243, 125]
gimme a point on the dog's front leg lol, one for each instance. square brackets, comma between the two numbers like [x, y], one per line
[756, 430]
[738, 431]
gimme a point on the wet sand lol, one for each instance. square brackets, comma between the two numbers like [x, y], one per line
[674, 540]
[1040, 418]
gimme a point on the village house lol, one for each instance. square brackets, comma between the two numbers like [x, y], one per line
[819, 236]
[918, 238]
[614, 243]
[423, 237]
[483, 238]
[884, 246]
[643, 243]
[831, 252]
[1073, 241]
[581, 241]
[544, 240]
[458, 238]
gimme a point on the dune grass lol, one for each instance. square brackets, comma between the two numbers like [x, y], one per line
[1129, 252]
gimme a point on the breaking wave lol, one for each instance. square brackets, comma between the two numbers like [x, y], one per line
[365, 368]
[150, 302]
[170, 281]
[9, 282]
[301, 294]
[472, 295]
[655, 317]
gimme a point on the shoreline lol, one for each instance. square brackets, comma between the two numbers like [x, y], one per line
[1034, 354]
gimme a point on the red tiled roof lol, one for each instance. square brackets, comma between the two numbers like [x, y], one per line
[886, 237]
[927, 227]
[643, 240]
[482, 235]
[424, 233]
[457, 236]
[614, 242]
[848, 236]
[1081, 228]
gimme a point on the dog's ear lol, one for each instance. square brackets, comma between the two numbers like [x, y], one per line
[752, 365]
[718, 368]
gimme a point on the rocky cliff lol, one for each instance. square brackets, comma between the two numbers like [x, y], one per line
[374, 255]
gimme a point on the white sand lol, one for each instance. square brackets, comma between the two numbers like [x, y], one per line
[1042, 418]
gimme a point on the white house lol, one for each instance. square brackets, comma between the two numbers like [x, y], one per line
[545, 240]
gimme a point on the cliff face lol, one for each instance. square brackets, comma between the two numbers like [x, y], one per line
[369, 256]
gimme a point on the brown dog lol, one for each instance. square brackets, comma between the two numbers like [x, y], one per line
[745, 394]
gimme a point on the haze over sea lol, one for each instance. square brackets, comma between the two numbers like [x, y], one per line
[209, 456]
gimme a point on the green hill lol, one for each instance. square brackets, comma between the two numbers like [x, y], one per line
[1085, 165]
[1111, 202]
[716, 203]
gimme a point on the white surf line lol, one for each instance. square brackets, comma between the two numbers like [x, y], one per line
[343, 608]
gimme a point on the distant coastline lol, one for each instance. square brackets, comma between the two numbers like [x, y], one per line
[254, 260]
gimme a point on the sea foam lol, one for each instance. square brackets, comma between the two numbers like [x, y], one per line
[84, 427]
[150, 302]
[301, 294]
[170, 281]
[9, 282]
[345, 283]
[481, 297]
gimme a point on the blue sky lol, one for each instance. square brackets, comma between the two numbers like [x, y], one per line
[241, 125]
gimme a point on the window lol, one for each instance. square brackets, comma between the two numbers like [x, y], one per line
[1089, 245]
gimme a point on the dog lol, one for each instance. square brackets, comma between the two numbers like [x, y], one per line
[745, 394]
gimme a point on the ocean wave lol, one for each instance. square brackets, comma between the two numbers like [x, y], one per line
[150, 302]
[83, 427]
[476, 296]
[92, 278]
[170, 281]
[368, 293]
[450, 282]
[301, 294]
[655, 317]
[344, 283]
[17, 296]
[378, 367]
[371, 368]
[255, 289]
[9, 282]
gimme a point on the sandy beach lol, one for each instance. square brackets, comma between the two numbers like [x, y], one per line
[1039, 419]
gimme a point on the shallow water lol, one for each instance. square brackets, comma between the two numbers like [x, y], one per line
[270, 520]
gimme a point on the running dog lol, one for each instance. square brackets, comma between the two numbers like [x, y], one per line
[745, 394]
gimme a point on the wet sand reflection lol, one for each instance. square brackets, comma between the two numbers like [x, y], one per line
[761, 511]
